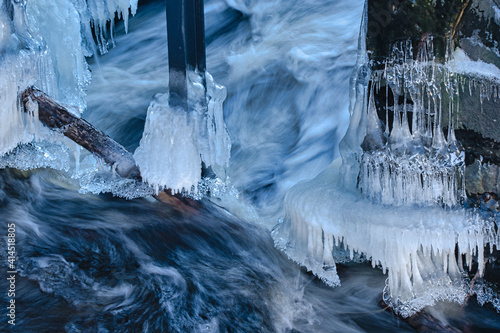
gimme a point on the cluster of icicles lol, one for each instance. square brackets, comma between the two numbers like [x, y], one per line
[410, 167]
[413, 161]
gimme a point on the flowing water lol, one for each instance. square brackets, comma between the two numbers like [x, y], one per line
[97, 263]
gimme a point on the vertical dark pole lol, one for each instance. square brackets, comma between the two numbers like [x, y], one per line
[200, 36]
[186, 45]
[195, 34]
[176, 53]
[190, 31]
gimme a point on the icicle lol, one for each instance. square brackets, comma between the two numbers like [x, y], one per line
[104, 11]
[417, 249]
[386, 132]
[374, 138]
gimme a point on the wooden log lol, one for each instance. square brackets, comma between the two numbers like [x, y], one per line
[56, 116]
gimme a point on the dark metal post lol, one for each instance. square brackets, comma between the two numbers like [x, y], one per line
[186, 45]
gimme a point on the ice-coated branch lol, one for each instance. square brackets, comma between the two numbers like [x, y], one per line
[56, 116]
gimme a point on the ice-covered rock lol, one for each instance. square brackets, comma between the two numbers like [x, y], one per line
[420, 248]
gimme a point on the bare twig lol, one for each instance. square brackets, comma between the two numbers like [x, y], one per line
[459, 19]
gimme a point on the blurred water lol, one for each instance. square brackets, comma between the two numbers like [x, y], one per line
[286, 67]
[92, 263]
[100, 264]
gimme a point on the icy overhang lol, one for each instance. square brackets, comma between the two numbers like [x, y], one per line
[420, 248]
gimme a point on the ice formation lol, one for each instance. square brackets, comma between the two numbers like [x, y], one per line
[103, 12]
[395, 200]
[420, 248]
[405, 152]
[25, 61]
[175, 141]
[411, 159]
[44, 43]
[95, 177]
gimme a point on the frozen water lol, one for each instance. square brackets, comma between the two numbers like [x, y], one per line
[38, 154]
[409, 159]
[462, 64]
[286, 73]
[58, 21]
[21, 68]
[48, 50]
[395, 199]
[168, 155]
[44, 43]
[415, 246]
[412, 161]
[213, 139]
[485, 292]
[102, 13]
[175, 141]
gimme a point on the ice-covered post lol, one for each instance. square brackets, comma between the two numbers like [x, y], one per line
[184, 134]
[186, 46]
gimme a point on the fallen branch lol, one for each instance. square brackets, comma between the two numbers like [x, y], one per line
[459, 18]
[472, 285]
[56, 116]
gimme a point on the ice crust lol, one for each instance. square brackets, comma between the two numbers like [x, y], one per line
[38, 154]
[96, 178]
[175, 141]
[44, 43]
[414, 245]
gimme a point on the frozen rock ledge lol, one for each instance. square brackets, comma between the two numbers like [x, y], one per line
[420, 248]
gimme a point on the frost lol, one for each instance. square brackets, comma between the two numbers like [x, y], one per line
[485, 292]
[35, 155]
[215, 188]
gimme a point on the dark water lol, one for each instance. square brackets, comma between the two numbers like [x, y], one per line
[96, 263]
